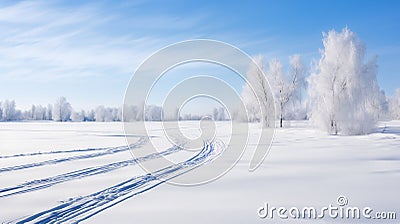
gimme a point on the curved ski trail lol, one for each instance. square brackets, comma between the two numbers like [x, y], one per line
[81, 208]
[54, 152]
[139, 143]
[78, 174]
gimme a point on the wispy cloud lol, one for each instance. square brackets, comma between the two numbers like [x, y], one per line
[40, 41]
[86, 52]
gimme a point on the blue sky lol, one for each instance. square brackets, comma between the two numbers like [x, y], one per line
[89, 51]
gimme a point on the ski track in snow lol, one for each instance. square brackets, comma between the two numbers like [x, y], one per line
[81, 208]
[139, 143]
[78, 174]
[54, 152]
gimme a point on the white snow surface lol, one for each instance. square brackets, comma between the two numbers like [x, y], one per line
[305, 167]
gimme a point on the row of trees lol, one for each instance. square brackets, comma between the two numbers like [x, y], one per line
[156, 113]
[343, 95]
[62, 111]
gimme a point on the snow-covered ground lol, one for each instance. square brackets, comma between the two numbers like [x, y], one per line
[305, 167]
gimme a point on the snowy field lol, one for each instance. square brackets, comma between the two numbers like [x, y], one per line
[305, 167]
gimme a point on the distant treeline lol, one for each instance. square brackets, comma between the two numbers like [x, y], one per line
[62, 111]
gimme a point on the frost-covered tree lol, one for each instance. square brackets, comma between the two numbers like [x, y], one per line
[140, 115]
[394, 105]
[49, 112]
[344, 88]
[117, 114]
[107, 114]
[282, 88]
[253, 113]
[90, 115]
[222, 114]
[37, 112]
[18, 115]
[31, 114]
[153, 113]
[8, 111]
[215, 114]
[78, 116]
[279, 87]
[130, 113]
[287, 87]
[103, 114]
[219, 114]
[296, 107]
[256, 94]
[381, 105]
[61, 110]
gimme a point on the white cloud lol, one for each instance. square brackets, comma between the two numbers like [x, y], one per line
[45, 42]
